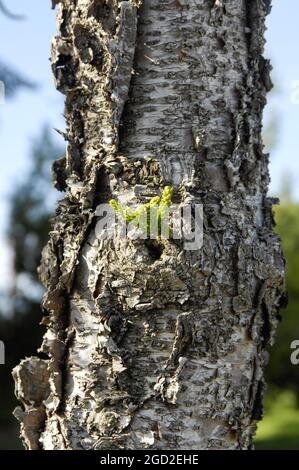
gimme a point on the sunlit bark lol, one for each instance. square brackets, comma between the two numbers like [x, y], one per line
[149, 345]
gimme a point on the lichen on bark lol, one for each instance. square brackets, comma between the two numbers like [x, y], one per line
[149, 345]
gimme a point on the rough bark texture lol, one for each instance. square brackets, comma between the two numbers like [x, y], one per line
[153, 346]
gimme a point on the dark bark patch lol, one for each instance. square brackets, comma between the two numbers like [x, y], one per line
[59, 175]
[155, 250]
[103, 12]
[64, 70]
[98, 288]
[257, 412]
[266, 328]
[88, 46]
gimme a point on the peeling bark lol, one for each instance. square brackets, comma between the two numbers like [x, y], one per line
[157, 347]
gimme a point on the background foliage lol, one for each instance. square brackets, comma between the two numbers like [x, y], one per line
[31, 205]
[280, 427]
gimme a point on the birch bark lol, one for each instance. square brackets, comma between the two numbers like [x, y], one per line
[149, 345]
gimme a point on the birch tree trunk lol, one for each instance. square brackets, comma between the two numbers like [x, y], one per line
[149, 345]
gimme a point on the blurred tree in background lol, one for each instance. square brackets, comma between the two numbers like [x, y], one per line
[281, 372]
[31, 205]
[280, 427]
[13, 81]
[5, 11]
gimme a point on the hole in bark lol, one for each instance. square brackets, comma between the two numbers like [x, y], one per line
[103, 12]
[98, 288]
[65, 71]
[63, 60]
[155, 250]
[42, 355]
[88, 46]
[221, 43]
[64, 23]
[257, 411]
[232, 435]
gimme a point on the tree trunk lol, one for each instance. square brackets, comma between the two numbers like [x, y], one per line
[150, 345]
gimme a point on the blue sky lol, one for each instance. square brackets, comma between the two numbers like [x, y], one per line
[282, 49]
[26, 47]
